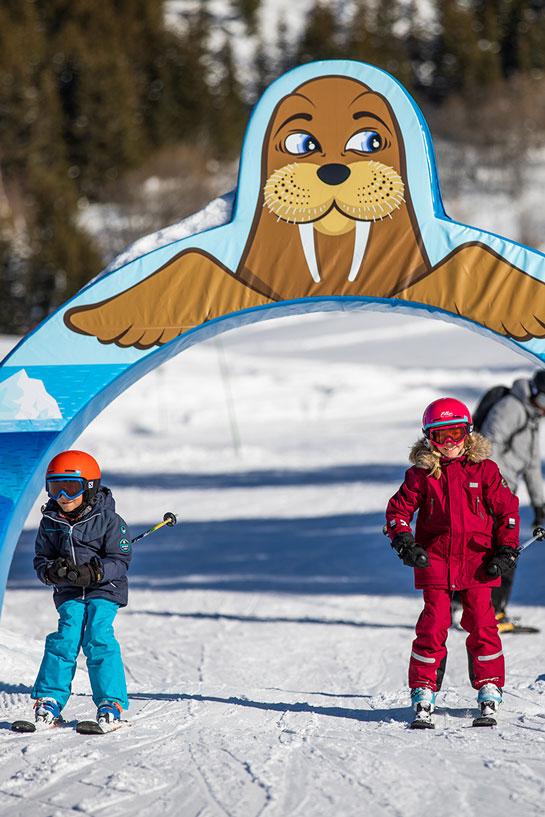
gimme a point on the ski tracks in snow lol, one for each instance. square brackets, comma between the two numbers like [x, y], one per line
[277, 706]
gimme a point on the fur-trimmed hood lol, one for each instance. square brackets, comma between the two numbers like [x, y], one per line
[423, 455]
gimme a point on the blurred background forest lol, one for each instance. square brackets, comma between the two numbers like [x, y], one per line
[120, 117]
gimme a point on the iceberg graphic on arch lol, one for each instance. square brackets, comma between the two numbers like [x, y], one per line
[26, 398]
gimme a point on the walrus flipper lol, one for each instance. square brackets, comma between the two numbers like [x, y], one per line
[476, 283]
[186, 292]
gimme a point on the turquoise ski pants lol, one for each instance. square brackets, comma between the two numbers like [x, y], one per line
[83, 624]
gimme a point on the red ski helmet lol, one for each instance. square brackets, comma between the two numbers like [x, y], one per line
[73, 473]
[447, 411]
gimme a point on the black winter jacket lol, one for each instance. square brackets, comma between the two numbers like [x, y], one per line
[99, 532]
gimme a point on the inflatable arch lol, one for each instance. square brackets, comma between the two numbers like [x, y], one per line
[337, 207]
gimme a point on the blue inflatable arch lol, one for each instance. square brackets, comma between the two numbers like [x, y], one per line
[337, 207]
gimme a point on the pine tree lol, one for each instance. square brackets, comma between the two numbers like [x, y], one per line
[247, 9]
[373, 38]
[229, 113]
[320, 40]
[465, 60]
[34, 214]
[285, 55]
[190, 93]
[97, 93]
[62, 258]
[528, 53]
[262, 70]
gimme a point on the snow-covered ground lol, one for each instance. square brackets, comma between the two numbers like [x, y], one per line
[267, 636]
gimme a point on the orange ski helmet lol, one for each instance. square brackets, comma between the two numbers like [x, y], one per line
[72, 473]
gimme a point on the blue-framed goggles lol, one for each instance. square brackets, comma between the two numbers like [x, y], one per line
[70, 487]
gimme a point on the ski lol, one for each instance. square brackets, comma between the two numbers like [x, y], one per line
[418, 723]
[95, 728]
[484, 720]
[35, 726]
[517, 629]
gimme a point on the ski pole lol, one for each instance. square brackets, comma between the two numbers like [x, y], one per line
[168, 519]
[539, 536]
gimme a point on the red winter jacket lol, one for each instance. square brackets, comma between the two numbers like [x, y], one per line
[465, 509]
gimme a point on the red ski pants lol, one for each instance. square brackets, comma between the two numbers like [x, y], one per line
[429, 652]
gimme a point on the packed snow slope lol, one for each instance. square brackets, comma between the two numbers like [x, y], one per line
[267, 636]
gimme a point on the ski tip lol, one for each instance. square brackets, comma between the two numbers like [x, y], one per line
[23, 726]
[485, 721]
[421, 725]
[88, 728]
[95, 728]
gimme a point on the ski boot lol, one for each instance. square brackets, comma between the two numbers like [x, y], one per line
[489, 698]
[505, 624]
[47, 712]
[423, 701]
[108, 719]
[108, 713]
[513, 625]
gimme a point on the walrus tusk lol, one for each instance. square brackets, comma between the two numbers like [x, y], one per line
[361, 238]
[306, 231]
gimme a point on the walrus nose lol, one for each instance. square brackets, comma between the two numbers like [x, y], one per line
[333, 173]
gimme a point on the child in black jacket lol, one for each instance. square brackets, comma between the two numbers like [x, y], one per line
[83, 550]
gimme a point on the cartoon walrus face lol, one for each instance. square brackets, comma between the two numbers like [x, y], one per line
[333, 166]
[333, 157]
[334, 218]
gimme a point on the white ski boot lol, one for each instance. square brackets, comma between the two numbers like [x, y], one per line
[423, 701]
[489, 699]
[47, 712]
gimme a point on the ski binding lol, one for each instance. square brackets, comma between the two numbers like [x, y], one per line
[422, 718]
[486, 718]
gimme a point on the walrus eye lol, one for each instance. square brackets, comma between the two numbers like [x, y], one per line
[365, 141]
[299, 143]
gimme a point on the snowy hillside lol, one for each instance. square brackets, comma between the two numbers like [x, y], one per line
[267, 636]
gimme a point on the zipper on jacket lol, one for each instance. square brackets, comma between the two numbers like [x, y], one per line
[70, 529]
[74, 556]
[432, 504]
[478, 508]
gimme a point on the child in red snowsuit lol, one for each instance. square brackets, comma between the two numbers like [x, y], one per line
[466, 538]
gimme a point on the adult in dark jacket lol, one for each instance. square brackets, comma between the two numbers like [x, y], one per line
[83, 551]
[512, 426]
[466, 535]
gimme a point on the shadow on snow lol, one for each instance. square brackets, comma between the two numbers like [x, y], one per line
[344, 554]
[266, 478]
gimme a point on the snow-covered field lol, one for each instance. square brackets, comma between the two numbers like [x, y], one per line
[267, 636]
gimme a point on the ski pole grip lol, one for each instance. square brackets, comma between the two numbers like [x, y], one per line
[171, 520]
[539, 533]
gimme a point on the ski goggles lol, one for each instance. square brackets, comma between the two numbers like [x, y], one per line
[453, 434]
[70, 487]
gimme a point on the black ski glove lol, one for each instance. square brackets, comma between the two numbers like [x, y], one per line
[408, 551]
[539, 515]
[86, 574]
[56, 572]
[503, 561]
